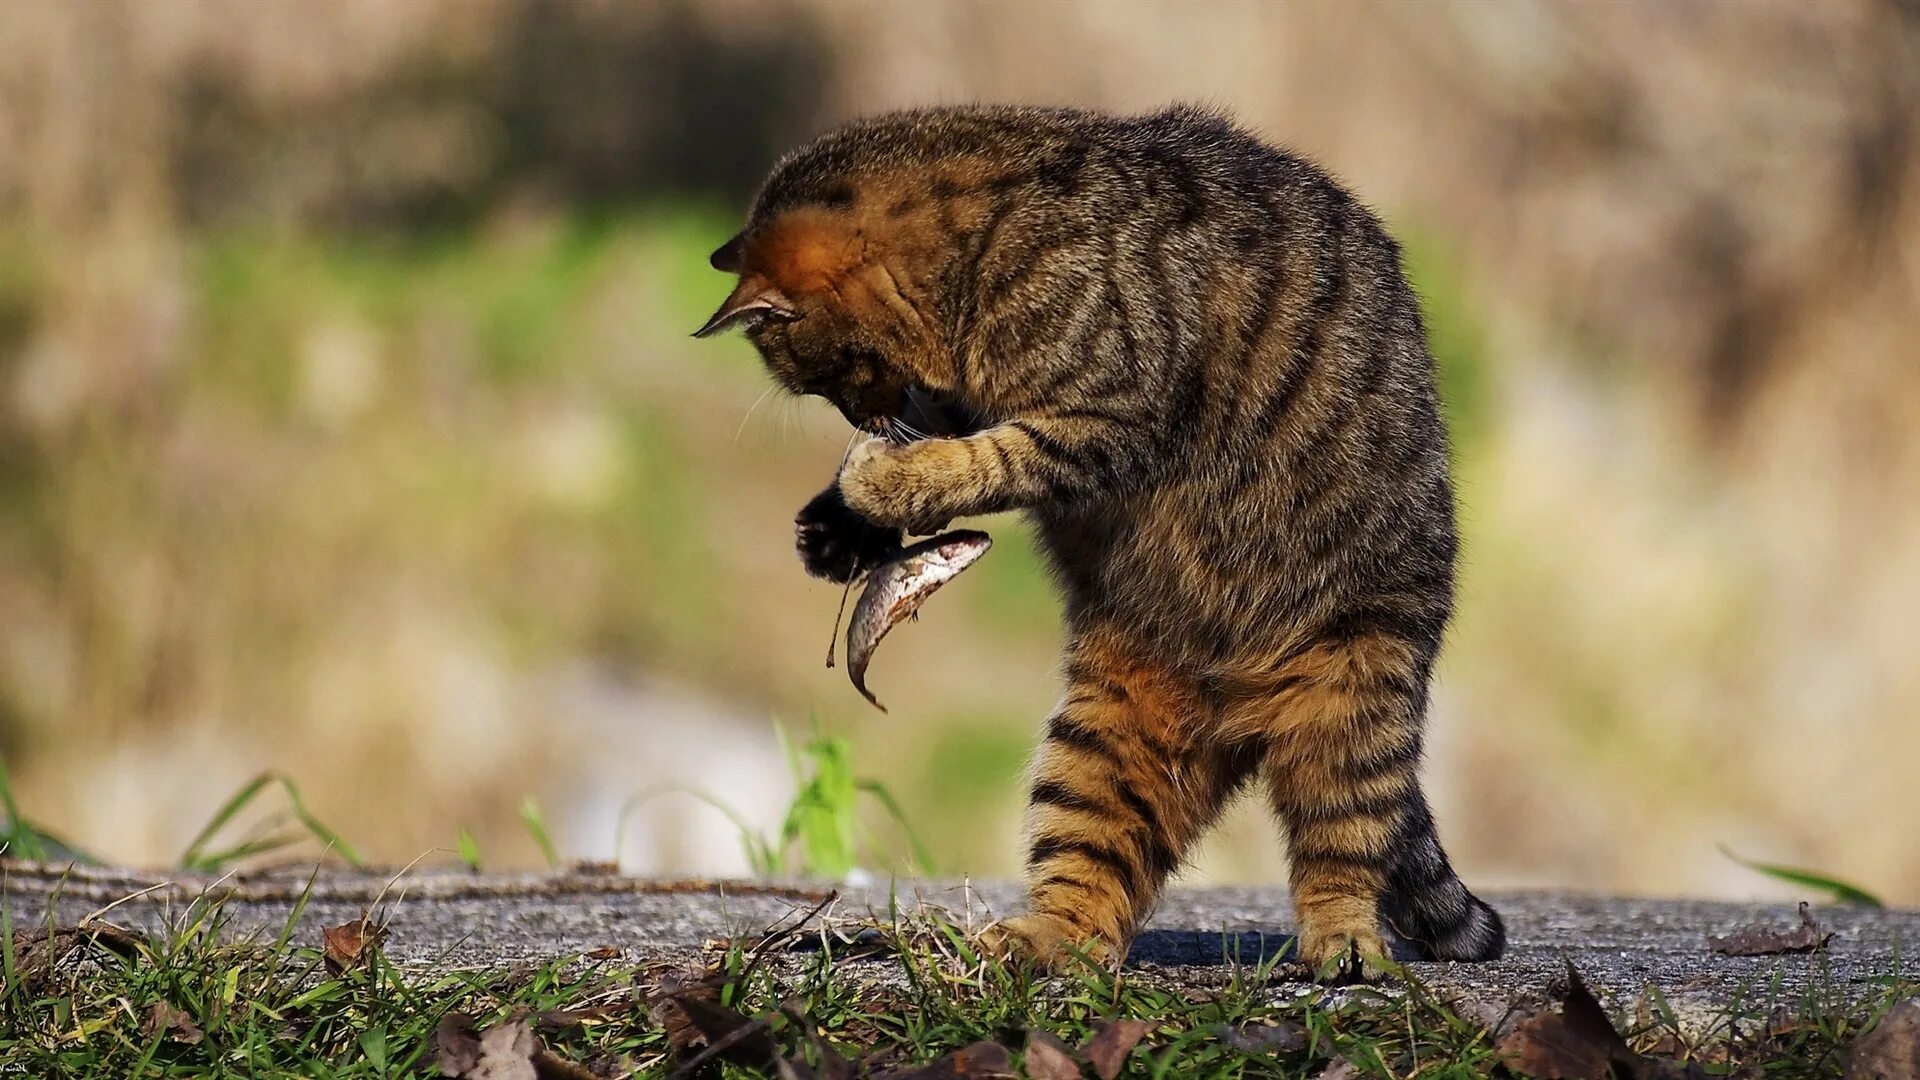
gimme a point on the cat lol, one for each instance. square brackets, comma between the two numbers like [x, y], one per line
[1195, 362]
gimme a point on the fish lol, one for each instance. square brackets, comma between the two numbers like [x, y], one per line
[895, 590]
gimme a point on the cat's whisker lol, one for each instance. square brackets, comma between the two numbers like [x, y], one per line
[741, 430]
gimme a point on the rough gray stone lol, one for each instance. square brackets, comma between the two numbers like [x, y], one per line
[1622, 946]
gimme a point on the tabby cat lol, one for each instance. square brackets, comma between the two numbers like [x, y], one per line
[1195, 362]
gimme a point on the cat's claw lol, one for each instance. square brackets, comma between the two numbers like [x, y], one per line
[1342, 958]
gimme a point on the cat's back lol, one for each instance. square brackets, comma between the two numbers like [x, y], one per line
[1054, 150]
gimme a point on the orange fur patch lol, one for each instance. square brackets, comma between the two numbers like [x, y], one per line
[806, 251]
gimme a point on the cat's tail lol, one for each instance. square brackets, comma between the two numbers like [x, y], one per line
[1426, 904]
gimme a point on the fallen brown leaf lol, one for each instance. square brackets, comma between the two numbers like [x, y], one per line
[38, 951]
[1576, 1043]
[165, 1021]
[686, 1004]
[1265, 1038]
[350, 945]
[509, 1051]
[1048, 1058]
[1891, 1051]
[981, 1061]
[505, 1052]
[1762, 939]
[667, 1002]
[456, 1045]
[1108, 1049]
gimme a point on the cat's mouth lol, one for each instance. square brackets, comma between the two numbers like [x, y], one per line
[920, 413]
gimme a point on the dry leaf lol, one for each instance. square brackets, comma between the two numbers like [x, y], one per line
[686, 1003]
[349, 945]
[505, 1052]
[163, 1020]
[1577, 1043]
[1891, 1051]
[37, 951]
[1049, 1059]
[1108, 1049]
[666, 1002]
[457, 1045]
[981, 1061]
[1762, 939]
[1265, 1038]
[1340, 1069]
[1545, 1045]
[509, 1051]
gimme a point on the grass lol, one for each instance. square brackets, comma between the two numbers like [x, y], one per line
[1842, 892]
[823, 833]
[198, 1000]
[22, 838]
[263, 837]
[195, 1000]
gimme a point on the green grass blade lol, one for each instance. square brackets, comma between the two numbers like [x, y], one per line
[469, 850]
[293, 917]
[221, 859]
[22, 839]
[1842, 892]
[536, 824]
[195, 857]
[315, 826]
[760, 852]
[6, 795]
[922, 858]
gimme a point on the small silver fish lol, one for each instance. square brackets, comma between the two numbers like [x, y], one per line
[896, 589]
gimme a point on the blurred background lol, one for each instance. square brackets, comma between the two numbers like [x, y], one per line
[349, 425]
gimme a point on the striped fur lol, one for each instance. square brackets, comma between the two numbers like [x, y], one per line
[1195, 362]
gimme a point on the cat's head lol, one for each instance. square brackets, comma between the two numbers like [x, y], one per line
[830, 314]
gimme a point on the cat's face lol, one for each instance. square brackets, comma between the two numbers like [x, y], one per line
[806, 299]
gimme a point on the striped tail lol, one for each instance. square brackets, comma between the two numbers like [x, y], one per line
[1428, 907]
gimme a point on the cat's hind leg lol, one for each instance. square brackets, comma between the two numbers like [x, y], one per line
[1344, 722]
[1425, 902]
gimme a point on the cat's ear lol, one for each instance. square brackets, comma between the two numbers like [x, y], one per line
[729, 256]
[754, 296]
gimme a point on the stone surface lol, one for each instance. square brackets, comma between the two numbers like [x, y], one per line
[446, 918]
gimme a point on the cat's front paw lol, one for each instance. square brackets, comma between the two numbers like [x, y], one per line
[894, 485]
[838, 544]
[1046, 942]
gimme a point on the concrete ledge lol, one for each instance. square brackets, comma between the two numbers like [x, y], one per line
[1622, 946]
